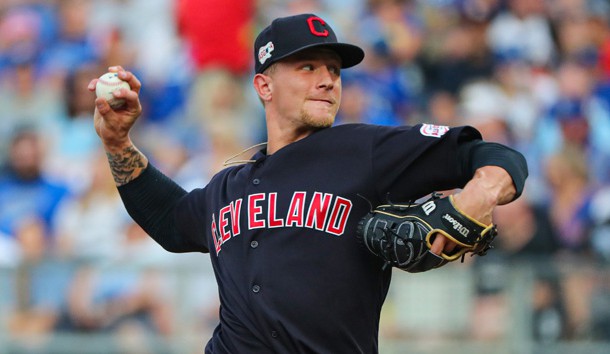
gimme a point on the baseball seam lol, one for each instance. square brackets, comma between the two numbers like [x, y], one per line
[104, 82]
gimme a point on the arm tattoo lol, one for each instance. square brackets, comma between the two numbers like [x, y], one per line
[126, 165]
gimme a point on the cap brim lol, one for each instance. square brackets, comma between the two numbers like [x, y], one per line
[350, 54]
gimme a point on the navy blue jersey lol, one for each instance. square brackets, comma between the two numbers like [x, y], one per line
[292, 276]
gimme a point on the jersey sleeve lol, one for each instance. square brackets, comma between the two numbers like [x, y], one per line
[156, 203]
[410, 162]
[480, 153]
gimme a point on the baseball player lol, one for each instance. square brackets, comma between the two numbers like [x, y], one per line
[280, 229]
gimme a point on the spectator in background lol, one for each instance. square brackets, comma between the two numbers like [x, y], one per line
[200, 22]
[460, 57]
[484, 105]
[583, 36]
[30, 103]
[393, 27]
[128, 297]
[127, 304]
[201, 165]
[529, 234]
[517, 79]
[579, 118]
[28, 95]
[356, 102]
[480, 11]
[220, 63]
[575, 39]
[391, 35]
[443, 109]
[75, 43]
[567, 172]
[218, 97]
[90, 227]
[154, 49]
[25, 191]
[148, 42]
[38, 288]
[522, 31]
[72, 145]
[26, 29]
[28, 203]
[599, 27]
[117, 286]
[527, 237]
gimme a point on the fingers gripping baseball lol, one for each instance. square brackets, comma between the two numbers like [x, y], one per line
[113, 124]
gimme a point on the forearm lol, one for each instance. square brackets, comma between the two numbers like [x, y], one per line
[490, 186]
[498, 177]
[484, 154]
[126, 162]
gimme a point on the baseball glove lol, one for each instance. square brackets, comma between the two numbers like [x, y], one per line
[402, 234]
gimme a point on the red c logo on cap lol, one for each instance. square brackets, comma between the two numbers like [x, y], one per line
[312, 28]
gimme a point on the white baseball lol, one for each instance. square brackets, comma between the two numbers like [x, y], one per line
[107, 84]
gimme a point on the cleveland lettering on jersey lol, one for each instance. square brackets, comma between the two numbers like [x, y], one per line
[322, 211]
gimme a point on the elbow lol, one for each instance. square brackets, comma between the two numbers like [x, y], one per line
[172, 248]
[181, 246]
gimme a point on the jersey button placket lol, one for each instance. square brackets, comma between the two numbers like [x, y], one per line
[256, 288]
[257, 166]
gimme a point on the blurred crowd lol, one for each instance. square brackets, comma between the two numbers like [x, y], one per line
[532, 74]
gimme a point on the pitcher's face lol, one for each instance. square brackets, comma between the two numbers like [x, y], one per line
[306, 87]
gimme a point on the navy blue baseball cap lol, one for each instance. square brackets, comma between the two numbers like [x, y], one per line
[288, 35]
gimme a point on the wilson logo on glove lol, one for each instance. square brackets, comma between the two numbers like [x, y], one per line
[456, 225]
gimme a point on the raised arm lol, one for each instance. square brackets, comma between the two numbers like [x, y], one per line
[113, 127]
[149, 196]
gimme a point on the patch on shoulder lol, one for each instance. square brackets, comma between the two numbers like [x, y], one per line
[435, 131]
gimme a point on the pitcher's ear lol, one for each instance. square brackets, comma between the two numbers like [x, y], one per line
[263, 86]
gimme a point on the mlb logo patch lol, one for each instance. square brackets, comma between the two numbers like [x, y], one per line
[434, 131]
[264, 52]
